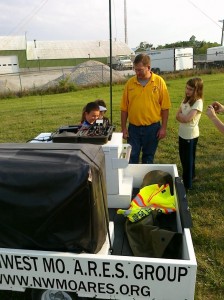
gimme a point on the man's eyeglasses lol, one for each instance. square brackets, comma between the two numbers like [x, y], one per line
[140, 70]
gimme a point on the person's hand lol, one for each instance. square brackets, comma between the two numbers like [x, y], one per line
[125, 133]
[218, 107]
[161, 134]
[210, 112]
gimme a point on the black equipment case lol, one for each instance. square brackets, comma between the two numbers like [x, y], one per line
[53, 197]
[95, 134]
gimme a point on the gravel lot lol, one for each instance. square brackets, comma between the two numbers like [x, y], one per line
[90, 72]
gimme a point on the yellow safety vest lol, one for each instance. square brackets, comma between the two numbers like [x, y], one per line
[149, 198]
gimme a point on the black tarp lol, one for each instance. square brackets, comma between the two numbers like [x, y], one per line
[53, 197]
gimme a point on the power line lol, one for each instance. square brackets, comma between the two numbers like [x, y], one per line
[25, 20]
[203, 13]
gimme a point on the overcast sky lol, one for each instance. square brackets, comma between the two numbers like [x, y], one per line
[156, 22]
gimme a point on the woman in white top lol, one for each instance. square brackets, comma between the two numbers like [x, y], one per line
[188, 116]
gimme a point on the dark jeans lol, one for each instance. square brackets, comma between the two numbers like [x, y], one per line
[143, 138]
[187, 151]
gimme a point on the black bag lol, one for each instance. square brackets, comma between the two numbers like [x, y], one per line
[53, 197]
[155, 236]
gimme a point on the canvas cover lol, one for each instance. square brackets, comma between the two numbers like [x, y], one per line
[53, 197]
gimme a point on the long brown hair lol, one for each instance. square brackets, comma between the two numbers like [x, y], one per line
[197, 84]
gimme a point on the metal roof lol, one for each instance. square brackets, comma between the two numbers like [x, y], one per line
[63, 49]
[12, 43]
[74, 49]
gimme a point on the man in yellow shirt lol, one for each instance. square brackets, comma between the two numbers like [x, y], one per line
[145, 104]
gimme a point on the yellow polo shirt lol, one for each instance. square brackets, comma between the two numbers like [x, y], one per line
[144, 103]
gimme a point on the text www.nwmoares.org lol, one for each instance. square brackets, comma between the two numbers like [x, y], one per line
[72, 285]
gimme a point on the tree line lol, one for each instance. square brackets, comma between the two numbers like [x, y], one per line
[200, 47]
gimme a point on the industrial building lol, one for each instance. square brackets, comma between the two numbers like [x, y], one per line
[16, 53]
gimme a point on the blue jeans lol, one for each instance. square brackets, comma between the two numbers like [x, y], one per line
[143, 138]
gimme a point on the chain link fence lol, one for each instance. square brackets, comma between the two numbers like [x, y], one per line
[85, 74]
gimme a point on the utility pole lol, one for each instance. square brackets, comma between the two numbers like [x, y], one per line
[125, 23]
[111, 51]
[222, 31]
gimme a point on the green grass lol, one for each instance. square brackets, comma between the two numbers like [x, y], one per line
[24, 118]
